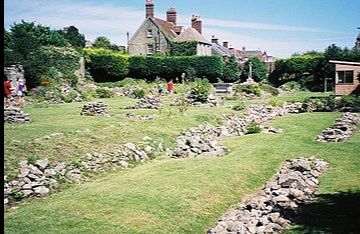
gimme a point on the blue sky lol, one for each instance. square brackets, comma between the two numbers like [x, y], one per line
[281, 27]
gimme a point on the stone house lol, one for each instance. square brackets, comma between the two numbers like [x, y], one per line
[347, 77]
[221, 50]
[155, 35]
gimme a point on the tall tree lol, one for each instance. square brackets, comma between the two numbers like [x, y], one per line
[259, 69]
[73, 36]
[28, 37]
[231, 70]
[102, 42]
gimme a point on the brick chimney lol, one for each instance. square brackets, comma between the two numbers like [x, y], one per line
[214, 40]
[171, 15]
[226, 44]
[149, 6]
[196, 23]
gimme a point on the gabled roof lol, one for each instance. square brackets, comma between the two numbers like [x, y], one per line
[191, 34]
[217, 49]
[166, 27]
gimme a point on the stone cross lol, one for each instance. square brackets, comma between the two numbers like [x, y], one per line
[250, 79]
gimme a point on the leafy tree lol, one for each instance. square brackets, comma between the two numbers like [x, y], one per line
[72, 35]
[102, 42]
[28, 37]
[231, 70]
[259, 69]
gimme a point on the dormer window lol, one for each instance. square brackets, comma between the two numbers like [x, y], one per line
[150, 49]
[149, 33]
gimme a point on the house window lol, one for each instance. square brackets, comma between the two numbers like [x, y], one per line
[345, 77]
[150, 49]
[157, 48]
[149, 33]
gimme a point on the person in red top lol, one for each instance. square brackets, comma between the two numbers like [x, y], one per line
[170, 86]
[7, 92]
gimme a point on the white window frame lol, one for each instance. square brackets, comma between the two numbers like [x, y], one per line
[150, 51]
[149, 33]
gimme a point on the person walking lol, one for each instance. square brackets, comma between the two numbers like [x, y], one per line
[170, 87]
[160, 89]
[21, 91]
[7, 92]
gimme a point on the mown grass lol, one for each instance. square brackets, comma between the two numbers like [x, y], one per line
[106, 133]
[188, 195]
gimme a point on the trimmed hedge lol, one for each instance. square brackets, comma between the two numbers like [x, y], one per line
[107, 66]
[150, 68]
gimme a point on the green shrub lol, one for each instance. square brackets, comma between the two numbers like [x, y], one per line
[291, 86]
[275, 102]
[51, 61]
[114, 64]
[17, 194]
[270, 89]
[32, 159]
[238, 107]
[139, 93]
[104, 93]
[69, 97]
[349, 103]
[320, 104]
[253, 128]
[200, 90]
[248, 89]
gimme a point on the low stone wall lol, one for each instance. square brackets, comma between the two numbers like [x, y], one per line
[201, 140]
[15, 115]
[95, 109]
[342, 130]
[36, 179]
[211, 101]
[148, 102]
[272, 210]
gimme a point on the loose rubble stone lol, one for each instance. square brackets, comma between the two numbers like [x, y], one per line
[211, 101]
[43, 176]
[341, 130]
[201, 140]
[140, 117]
[148, 102]
[277, 203]
[15, 115]
[95, 109]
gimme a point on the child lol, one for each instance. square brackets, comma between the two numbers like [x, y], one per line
[170, 86]
[21, 91]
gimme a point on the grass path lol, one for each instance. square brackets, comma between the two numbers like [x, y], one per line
[188, 195]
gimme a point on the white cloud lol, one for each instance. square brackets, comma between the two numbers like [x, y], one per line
[114, 21]
[256, 26]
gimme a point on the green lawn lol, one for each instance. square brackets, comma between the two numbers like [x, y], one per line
[177, 196]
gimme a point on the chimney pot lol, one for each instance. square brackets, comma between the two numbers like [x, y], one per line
[214, 40]
[196, 23]
[171, 15]
[149, 8]
[226, 44]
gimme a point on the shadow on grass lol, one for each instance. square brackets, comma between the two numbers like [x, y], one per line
[330, 213]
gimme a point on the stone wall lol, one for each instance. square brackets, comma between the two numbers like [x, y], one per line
[343, 129]
[201, 140]
[13, 73]
[95, 109]
[36, 179]
[15, 115]
[148, 102]
[272, 210]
